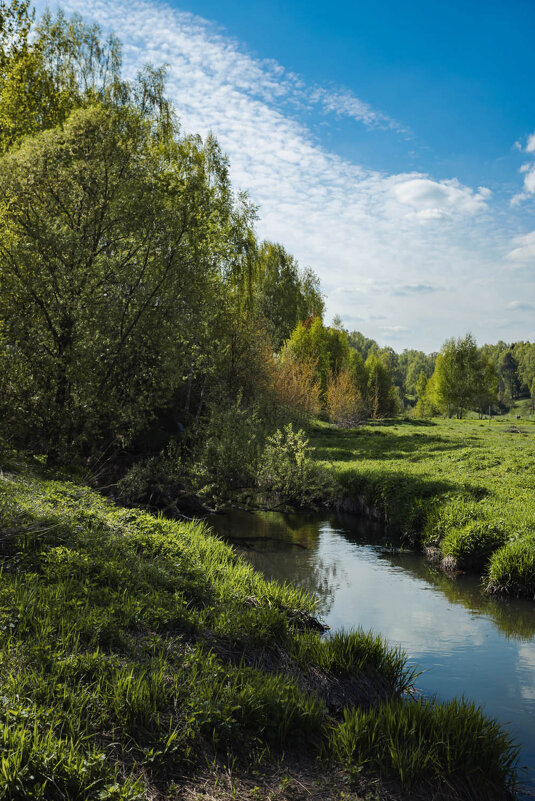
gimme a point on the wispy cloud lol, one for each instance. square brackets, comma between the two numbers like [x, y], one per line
[416, 289]
[528, 169]
[344, 103]
[382, 239]
[524, 250]
[518, 305]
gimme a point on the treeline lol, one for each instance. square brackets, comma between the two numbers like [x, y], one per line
[462, 376]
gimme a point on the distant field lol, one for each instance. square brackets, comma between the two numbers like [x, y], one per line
[465, 487]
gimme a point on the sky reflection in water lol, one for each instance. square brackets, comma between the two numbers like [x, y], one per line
[463, 642]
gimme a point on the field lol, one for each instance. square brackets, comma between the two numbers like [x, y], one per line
[463, 489]
[141, 656]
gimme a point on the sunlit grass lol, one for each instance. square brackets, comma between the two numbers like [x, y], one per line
[465, 487]
[136, 649]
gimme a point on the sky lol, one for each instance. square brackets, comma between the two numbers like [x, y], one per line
[388, 146]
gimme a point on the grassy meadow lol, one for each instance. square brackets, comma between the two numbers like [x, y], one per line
[463, 489]
[140, 655]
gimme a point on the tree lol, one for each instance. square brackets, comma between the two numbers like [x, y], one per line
[110, 244]
[382, 398]
[460, 373]
[343, 401]
[325, 347]
[422, 405]
[285, 296]
[487, 385]
[509, 373]
[48, 70]
[414, 363]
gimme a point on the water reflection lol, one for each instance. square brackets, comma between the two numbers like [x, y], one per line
[274, 542]
[465, 642]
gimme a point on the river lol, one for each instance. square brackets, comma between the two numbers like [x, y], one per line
[463, 642]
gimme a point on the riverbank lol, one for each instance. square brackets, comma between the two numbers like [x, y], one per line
[461, 488]
[142, 657]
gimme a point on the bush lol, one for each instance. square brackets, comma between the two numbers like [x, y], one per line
[156, 481]
[226, 449]
[287, 470]
[345, 405]
[296, 388]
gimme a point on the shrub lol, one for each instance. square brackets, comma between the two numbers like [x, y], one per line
[345, 405]
[226, 448]
[296, 386]
[287, 470]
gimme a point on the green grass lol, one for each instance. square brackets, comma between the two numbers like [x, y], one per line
[464, 487]
[136, 651]
[406, 741]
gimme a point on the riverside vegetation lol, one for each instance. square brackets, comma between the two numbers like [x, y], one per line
[153, 347]
[137, 650]
[463, 489]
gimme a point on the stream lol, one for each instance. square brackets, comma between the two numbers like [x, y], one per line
[464, 642]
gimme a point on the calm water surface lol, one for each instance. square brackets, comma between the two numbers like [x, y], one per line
[464, 642]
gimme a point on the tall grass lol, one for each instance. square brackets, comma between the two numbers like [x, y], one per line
[135, 649]
[426, 742]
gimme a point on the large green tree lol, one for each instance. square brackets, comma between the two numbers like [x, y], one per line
[112, 245]
[463, 377]
[284, 294]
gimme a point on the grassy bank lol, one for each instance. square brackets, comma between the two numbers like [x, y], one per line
[462, 488]
[141, 656]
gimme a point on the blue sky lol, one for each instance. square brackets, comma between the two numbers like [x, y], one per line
[387, 145]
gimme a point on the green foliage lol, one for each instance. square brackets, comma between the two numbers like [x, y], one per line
[226, 450]
[133, 293]
[382, 397]
[90, 303]
[464, 378]
[462, 486]
[287, 471]
[419, 743]
[283, 294]
[49, 70]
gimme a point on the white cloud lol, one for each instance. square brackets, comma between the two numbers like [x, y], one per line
[518, 305]
[524, 252]
[529, 179]
[367, 233]
[428, 199]
[530, 147]
[529, 173]
[395, 329]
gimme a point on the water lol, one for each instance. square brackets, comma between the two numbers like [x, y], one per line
[464, 642]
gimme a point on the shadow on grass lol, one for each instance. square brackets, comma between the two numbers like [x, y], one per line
[404, 500]
[382, 445]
